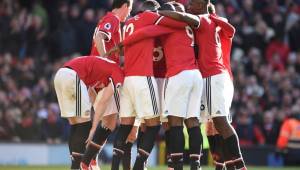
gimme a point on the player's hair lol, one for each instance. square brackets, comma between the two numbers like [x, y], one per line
[151, 5]
[167, 6]
[120, 3]
[203, 1]
[178, 5]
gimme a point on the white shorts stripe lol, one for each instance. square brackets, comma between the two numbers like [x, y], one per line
[116, 95]
[153, 97]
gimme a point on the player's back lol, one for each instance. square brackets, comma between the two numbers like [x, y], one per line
[138, 57]
[210, 59]
[109, 25]
[179, 51]
[94, 69]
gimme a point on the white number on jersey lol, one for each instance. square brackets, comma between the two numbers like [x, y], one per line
[218, 41]
[159, 51]
[128, 30]
[190, 34]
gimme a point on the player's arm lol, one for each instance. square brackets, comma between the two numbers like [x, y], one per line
[146, 32]
[108, 91]
[141, 34]
[226, 27]
[99, 40]
[192, 20]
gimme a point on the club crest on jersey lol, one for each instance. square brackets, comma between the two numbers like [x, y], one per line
[158, 53]
[107, 26]
[202, 107]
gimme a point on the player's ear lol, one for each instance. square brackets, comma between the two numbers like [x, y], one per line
[125, 5]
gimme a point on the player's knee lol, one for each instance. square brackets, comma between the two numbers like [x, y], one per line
[175, 121]
[223, 126]
[110, 121]
[152, 122]
[192, 122]
[165, 126]
[78, 120]
[127, 120]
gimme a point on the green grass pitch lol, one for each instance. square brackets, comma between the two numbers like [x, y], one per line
[108, 168]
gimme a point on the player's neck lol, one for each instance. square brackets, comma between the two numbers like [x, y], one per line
[117, 12]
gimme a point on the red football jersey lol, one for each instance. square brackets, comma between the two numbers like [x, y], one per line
[95, 70]
[226, 43]
[159, 61]
[210, 59]
[179, 51]
[110, 26]
[139, 56]
[226, 34]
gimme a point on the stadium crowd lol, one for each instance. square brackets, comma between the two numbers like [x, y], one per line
[36, 37]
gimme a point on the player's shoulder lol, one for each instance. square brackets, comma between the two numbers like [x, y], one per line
[223, 19]
[149, 14]
[204, 17]
[110, 17]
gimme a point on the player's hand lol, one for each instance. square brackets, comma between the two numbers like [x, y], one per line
[90, 137]
[115, 49]
[133, 134]
[211, 8]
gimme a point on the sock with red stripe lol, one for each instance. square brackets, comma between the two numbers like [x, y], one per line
[120, 145]
[232, 153]
[99, 139]
[177, 147]
[146, 145]
[79, 134]
[195, 143]
[126, 160]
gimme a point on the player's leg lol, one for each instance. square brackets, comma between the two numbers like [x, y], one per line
[215, 141]
[104, 129]
[132, 137]
[127, 116]
[75, 106]
[101, 134]
[147, 108]
[77, 142]
[177, 92]
[195, 142]
[177, 144]
[220, 90]
[166, 128]
[146, 143]
[193, 118]
[120, 141]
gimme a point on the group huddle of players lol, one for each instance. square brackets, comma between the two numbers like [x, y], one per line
[176, 72]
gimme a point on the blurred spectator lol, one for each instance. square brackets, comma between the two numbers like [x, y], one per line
[52, 125]
[270, 128]
[289, 138]
[248, 132]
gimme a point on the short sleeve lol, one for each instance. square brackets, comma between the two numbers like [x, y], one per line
[117, 77]
[109, 26]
